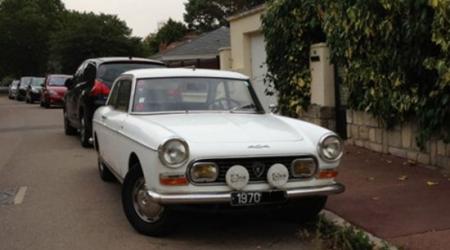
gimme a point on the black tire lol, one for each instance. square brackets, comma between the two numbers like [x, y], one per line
[46, 105]
[162, 218]
[303, 210]
[105, 174]
[68, 129]
[41, 104]
[85, 132]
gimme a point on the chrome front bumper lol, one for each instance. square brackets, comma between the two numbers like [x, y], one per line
[212, 198]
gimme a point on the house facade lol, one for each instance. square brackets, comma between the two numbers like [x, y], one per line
[247, 53]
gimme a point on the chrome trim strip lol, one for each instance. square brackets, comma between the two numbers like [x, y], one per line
[125, 136]
[211, 198]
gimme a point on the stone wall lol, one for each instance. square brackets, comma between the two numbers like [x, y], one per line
[322, 116]
[365, 131]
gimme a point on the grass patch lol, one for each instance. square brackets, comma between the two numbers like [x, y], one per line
[327, 235]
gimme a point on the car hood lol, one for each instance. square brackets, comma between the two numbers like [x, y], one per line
[226, 128]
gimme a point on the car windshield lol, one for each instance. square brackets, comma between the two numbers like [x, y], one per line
[36, 82]
[109, 72]
[193, 94]
[57, 80]
[25, 81]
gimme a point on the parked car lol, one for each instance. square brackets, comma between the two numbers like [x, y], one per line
[53, 90]
[34, 89]
[187, 137]
[22, 88]
[89, 90]
[12, 92]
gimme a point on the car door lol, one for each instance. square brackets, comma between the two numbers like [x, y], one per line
[114, 119]
[104, 134]
[71, 93]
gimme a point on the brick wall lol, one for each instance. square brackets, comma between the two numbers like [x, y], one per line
[365, 131]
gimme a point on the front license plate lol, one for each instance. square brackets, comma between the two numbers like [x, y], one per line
[257, 198]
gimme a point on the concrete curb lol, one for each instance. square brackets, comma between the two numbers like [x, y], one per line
[341, 222]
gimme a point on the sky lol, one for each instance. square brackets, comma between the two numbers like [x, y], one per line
[142, 16]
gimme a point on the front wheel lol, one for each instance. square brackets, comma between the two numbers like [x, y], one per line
[85, 132]
[68, 129]
[146, 216]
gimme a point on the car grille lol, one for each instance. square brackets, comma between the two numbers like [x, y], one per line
[250, 164]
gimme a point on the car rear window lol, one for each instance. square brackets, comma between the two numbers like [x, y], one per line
[109, 72]
[57, 80]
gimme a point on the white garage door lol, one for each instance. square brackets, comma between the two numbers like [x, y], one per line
[259, 70]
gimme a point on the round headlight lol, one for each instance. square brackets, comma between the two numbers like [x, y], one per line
[173, 152]
[330, 148]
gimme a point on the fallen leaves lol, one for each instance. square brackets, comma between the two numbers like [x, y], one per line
[432, 183]
[402, 178]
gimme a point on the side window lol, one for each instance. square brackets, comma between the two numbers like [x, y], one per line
[123, 98]
[112, 101]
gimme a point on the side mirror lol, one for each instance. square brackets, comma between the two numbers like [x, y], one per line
[43, 85]
[68, 83]
[273, 108]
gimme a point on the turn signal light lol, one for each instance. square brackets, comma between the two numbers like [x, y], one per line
[173, 180]
[327, 174]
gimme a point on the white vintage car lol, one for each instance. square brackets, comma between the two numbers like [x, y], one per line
[186, 137]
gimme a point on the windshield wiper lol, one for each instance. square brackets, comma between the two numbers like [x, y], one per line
[245, 106]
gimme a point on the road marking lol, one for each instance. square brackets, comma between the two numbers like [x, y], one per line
[20, 195]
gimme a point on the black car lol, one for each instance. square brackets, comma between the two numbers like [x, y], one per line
[33, 92]
[89, 88]
[22, 88]
[13, 88]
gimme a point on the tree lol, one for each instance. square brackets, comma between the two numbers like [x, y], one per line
[25, 29]
[207, 15]
[170, 32]
[87, 35]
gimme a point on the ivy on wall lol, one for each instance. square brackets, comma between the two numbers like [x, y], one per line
[394, 55]
[290, 27]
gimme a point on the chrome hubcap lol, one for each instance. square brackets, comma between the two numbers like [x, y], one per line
[143, 204]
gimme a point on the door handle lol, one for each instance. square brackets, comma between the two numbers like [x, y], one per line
[104, 117]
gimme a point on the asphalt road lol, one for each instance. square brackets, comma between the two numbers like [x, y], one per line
[63, 204]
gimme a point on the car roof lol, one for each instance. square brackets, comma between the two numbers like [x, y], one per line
[58, 75]
[101, 60]
[184, 72]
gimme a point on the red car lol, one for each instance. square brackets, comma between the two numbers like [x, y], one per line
[54, 90]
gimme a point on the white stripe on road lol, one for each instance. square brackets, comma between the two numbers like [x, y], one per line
[20, 195]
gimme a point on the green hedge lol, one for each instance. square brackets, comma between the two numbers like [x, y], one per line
[394, 55]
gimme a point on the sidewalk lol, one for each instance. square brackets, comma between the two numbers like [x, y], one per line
[405, 204]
